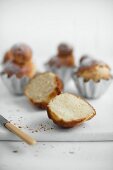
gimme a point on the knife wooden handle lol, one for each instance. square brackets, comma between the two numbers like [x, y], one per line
[29, 140]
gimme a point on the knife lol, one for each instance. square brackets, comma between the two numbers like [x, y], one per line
[4, 122]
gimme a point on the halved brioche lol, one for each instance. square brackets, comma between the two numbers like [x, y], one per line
[68, 110]
[42, 88]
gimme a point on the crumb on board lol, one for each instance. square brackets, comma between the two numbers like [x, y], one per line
[36, 130]
[42, 127]
[71, 152]
[15, 151]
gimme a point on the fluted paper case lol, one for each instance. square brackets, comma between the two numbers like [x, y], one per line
[91, 89]
[63, 72]
[14, 84]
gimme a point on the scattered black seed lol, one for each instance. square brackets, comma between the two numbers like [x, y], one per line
[36, 130]
[15, 151]
[71, 152]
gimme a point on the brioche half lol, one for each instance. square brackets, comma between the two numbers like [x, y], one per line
[42, 88]
[68, 110]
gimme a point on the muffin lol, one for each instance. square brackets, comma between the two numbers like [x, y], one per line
[42, 88]
[67, 110]
[63, 63]
[92, 77]
[18, 67]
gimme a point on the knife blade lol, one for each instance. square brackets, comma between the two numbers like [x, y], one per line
[3, 121]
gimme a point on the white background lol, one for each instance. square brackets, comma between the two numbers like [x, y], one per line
[43, 24]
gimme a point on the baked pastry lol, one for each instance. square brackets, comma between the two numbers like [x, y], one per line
[63, 62]
[92, 78]
[64, 56]
[28, 69]
[18, 68]
[21, 53]
[93, 69]
[42, 88]
[68, 110]
[18, 61]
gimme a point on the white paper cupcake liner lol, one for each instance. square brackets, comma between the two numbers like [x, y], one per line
[14, 84]
[91, 89]
[65, 73]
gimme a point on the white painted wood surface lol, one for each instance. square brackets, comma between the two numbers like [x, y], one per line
[36, 122]
[56, 155]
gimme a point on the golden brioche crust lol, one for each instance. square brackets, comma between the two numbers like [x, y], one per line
[57, 91]
[62, 61]
[72, 123]
[68, 61]
[64, 57]
[91, 68]
[42, 105]
[21, 53]
[64, 50]
[28, 70]
[94, 72]
[18, 61]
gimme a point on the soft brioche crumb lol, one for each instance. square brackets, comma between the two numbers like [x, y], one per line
[68, 110]
[42, 88]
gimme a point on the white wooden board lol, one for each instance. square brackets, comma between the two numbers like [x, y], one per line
[37, 124]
